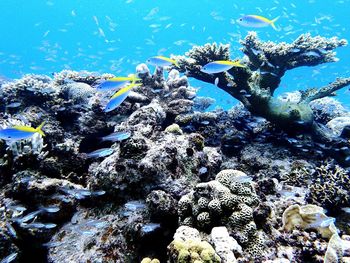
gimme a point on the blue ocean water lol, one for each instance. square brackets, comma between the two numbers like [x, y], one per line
[47, 36]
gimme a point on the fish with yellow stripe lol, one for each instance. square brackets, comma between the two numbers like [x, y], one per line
[117, 82]
[120, 96]
[19, 132]
[257, 21]
[161, 61]
[220, 66]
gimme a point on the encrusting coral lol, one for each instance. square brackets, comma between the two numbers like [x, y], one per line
[188, 247]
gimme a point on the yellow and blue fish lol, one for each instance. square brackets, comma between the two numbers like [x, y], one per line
[117, 82]
[161, 61]
[119, 97]
[220, 66]
[257, 21]
[19, 132]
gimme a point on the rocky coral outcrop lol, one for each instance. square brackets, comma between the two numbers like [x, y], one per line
[229, 201]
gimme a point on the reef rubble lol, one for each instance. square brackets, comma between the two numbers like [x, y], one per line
[182, 184]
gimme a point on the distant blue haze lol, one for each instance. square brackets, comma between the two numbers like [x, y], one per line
[113, 36]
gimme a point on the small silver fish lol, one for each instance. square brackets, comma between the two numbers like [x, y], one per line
[346, 209]
[11, 230]
[117, 136]
[62, 198]
[321, 221]
[33, 225]
[14, 105]
[9, 258]
[18, 208]
[28, 217]
[49, 225]
[135, 205]
[311, 54]
[147, 228]
[50, 209]
[104, 152]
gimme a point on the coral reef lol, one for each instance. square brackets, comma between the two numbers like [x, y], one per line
[234, 187]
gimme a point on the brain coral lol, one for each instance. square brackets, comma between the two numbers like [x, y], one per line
[228, 200]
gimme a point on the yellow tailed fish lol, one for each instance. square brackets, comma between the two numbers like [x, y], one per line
[117, 82]
[161, 61]
[257, 21]
[220, 66]
[19, 132]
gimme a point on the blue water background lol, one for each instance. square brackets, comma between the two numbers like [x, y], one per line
[114, 36]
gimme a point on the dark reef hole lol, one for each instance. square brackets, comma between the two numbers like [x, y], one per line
[170, 119]
[67, 118]
[32, 251]
[155, 245]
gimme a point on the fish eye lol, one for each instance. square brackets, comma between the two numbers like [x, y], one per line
[241, 19]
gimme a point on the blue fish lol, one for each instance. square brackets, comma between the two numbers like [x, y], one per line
[117, 82]
[117, 136]
[9, 258]
[100, 153]
[134, 205]
[150, 227]
[257, 21]
[115, 102]
[110, 84]
[220, 66]
[161, 61]
[14, 105]
[20, 132]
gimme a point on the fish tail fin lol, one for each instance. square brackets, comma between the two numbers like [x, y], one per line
[39, 129]
[134, 78]
[272, 23]
[176, 63]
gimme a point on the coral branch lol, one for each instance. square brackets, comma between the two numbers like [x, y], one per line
[272, 60]
[314, 94]
[279, 57]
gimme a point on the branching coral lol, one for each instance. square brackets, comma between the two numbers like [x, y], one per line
[266, 63]
[330, 188]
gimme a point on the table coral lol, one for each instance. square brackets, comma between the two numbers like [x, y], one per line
[265, 64]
